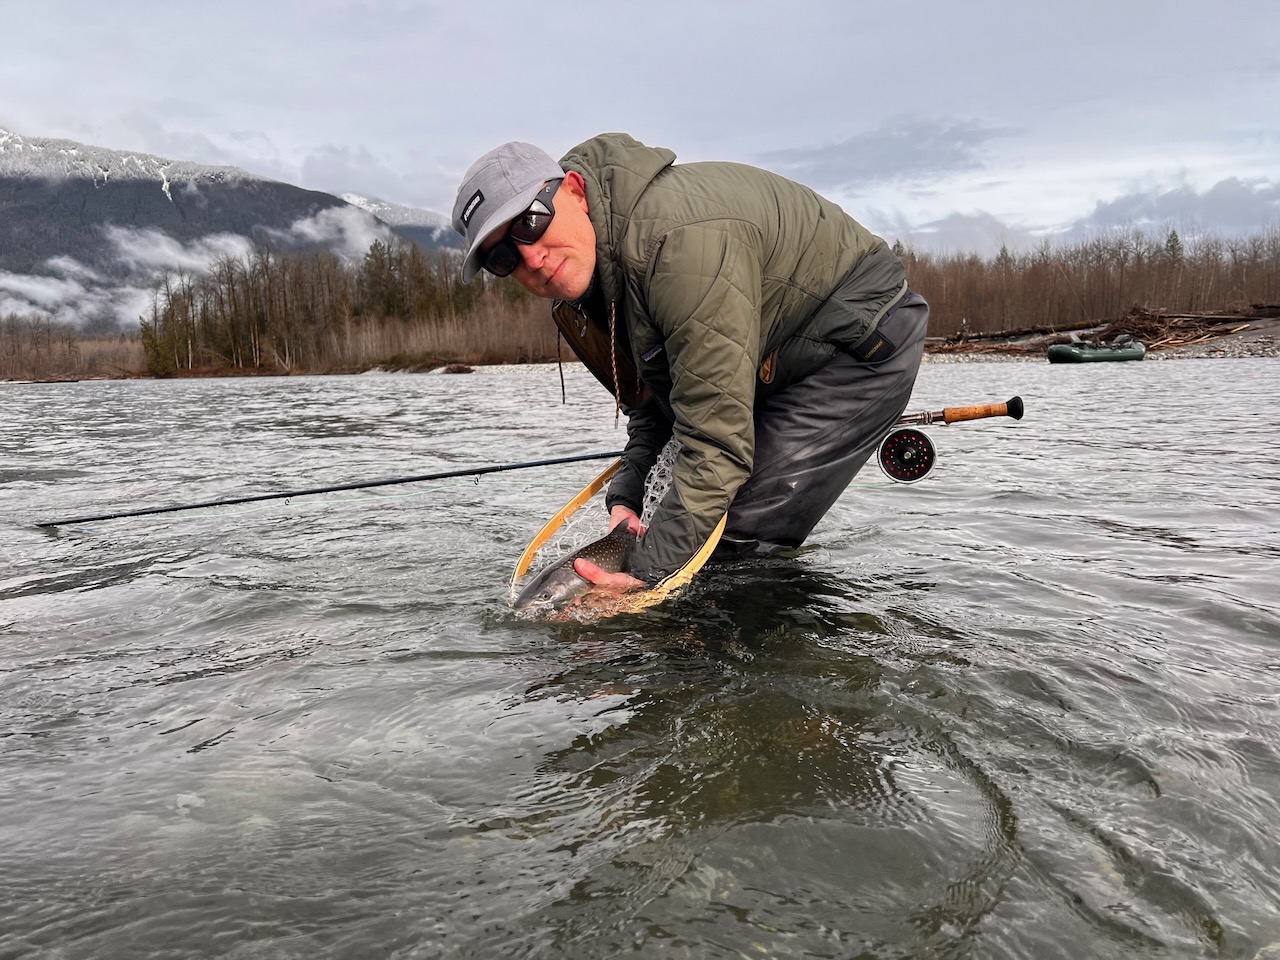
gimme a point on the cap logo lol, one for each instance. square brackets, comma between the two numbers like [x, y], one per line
[469, 210]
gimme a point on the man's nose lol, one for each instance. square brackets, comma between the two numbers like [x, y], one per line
[533, 254]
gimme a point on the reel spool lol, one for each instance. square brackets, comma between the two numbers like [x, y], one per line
[906, 455]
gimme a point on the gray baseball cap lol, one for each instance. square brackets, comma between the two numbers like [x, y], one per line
[498, 187]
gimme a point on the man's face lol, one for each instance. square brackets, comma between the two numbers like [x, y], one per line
[560, 264]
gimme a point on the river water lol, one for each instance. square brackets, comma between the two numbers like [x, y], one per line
[1027, 707]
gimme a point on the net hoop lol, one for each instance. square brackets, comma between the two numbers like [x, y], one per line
[629, 602]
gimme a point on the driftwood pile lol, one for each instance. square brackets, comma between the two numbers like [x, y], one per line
[1157, 330]
[1161, 330]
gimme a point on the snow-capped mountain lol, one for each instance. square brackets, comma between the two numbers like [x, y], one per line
[52, 159]
[425, 227]
[85, 230]
[395, 214]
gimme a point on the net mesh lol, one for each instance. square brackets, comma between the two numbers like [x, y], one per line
[659, 479]
[588, 522]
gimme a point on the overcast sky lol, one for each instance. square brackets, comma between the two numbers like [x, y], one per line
[934, 121]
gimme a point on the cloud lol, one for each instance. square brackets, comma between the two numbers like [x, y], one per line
[71, 267]
[249, 150]
[907, 149]
[340, 170]
[44, 293]
[1230, 207]
[72, 295]
[347, 231]
[149, 251]
[962, 233]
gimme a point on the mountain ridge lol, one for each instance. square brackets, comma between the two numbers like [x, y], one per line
[52, 158]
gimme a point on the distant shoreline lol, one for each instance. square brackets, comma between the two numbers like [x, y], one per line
[1261, 339]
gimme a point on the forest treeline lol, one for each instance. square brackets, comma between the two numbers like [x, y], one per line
[1065, 287]
[401, 308]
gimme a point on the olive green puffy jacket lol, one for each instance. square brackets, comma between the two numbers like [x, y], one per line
[728, 282]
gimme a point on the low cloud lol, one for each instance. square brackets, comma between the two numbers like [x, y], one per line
[44, 293]
[71, 292]
[71, 267]
[905, 150]
[347, 231]
[150, 251]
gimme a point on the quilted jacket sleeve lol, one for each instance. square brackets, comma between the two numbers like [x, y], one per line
[703, 289]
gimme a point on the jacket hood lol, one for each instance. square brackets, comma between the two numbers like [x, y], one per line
[617, 169]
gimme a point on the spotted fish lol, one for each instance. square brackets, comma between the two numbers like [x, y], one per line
[558, 584]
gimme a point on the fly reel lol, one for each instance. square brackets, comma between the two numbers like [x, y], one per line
[906, 455]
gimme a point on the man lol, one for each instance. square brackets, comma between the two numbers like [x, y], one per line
[769, 332]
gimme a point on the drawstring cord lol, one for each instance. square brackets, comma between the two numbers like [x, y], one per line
[613, 359]
[560, 366]
[613, 363]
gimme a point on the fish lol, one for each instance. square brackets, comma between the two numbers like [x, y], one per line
[558, 584]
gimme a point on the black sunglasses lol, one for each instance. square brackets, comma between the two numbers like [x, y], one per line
[503, 257]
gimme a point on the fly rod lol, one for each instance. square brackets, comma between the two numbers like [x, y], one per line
[1011, 408]
[233, 501]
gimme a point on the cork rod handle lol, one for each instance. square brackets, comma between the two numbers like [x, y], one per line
[1011, 408]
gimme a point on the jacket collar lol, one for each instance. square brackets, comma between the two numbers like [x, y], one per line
[616, 169]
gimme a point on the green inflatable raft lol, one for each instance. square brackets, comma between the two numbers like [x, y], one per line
[1123, 347]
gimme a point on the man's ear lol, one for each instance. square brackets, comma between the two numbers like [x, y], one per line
[576, 186]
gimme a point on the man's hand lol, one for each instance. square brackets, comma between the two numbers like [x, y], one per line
[604, 582]
[620, 515]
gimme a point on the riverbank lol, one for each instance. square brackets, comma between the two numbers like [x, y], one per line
[1254, 338]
